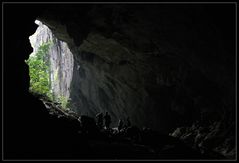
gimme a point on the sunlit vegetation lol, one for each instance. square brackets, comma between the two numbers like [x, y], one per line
[64, 101]
[39, 71]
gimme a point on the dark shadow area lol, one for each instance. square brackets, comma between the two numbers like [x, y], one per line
[30, 132]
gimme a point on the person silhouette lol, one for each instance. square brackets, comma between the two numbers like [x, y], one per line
[99, 120]
[120, 124]
[107, 120]
[128, 123]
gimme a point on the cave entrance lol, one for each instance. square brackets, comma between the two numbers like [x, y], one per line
[50, 68]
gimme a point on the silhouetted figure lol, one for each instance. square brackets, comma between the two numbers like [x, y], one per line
[107, 120]
[128, 123]
[120, 124]
[99, 120]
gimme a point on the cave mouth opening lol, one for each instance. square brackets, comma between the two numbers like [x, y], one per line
[50, 69]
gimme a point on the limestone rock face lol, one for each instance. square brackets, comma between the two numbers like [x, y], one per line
[60, 56]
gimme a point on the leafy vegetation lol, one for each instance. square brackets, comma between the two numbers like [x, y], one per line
[63, 101]
[39, 71]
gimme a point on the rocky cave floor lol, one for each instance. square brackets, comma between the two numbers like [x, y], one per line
[128, 143]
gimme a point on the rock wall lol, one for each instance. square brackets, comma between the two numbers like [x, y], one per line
[161, 69]
[61, 59]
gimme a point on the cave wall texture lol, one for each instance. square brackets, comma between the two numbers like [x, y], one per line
[163, 65]
[160, 65]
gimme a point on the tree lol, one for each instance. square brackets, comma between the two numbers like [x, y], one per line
[39, 71]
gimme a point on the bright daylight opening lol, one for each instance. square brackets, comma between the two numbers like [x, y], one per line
[50, 68]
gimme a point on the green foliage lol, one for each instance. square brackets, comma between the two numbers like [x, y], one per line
[39, 71]
[63, 101]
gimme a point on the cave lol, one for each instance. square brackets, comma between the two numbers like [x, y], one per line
[169, 69]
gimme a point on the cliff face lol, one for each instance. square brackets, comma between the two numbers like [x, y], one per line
[61, 59]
